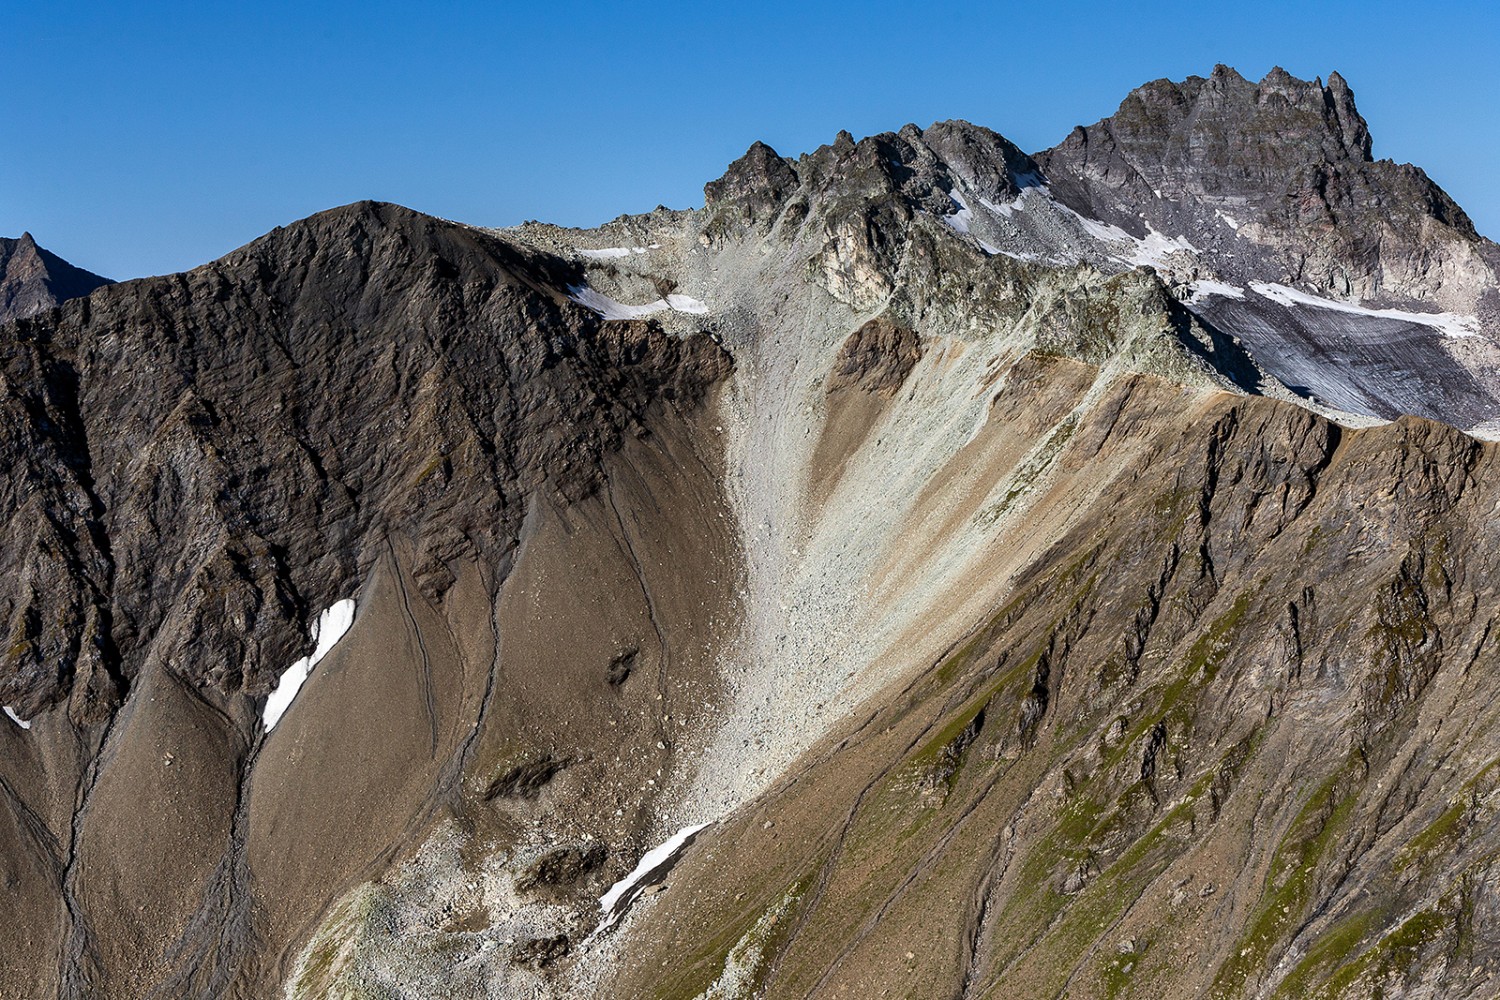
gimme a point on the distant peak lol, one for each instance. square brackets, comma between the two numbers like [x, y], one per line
[1223, 72]
[1279, 81]
[33, 280]
[1321, 121]
[1340, 98]
[760, 179]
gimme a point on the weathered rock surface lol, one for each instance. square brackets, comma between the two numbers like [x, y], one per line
[1289, 163]
[33, 280]
[876, 358]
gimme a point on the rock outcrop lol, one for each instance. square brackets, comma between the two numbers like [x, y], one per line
[33, 280]
[1284, 165]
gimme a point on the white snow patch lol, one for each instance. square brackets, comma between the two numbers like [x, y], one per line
[1153, 250]
[1006, 208]
[1204, 289]
[961, 219]
[1448, 324]
[1101, 231]
[328, 630]
[1156, 248]
[16, 718]
[615, 253]
[614, 903]
[611, 309]
[686, 304]
[1229, 220]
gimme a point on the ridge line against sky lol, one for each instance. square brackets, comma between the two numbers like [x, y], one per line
[154, 137]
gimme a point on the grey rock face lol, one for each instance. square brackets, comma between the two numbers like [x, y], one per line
[1284, 165]
[185, 435]
[33, 280]
[1257, 204]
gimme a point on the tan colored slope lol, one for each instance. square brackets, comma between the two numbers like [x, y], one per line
[31, 866]
[1231, 734]
[353, 773]
[207, 864]
[607, 624]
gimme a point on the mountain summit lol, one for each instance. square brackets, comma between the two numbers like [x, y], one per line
[929, 569]
[1283, 162]
[33, 279]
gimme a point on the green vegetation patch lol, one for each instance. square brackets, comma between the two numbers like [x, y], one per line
[735, 960]
[1293, 868]
[329, 965]
[1333, 967]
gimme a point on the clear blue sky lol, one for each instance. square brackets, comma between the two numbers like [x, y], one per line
[142, 138]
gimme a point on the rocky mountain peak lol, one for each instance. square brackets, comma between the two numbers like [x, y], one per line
[1341, 98]
[759, 181]
[913, 169]
[33, 280]
[1283, 165]
[1209, 136]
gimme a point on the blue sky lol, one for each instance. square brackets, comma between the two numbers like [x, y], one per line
[143, 138]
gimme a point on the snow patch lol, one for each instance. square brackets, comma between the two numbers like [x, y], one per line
[1206, 289]
[1448, 324]
[1101, 231]
[615, 253]
[960, 220]
[614, 903]
[1006, 208]
[686, 304]
[326, 632]
[611, 309]
[16, 718]
[1156, 248]
[1153, 250]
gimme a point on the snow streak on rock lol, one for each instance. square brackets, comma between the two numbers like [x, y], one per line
[1448, 324]
[329, 629]
[611, 309]
[656, 862]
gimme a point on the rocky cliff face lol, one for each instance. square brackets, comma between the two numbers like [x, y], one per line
[33, 280]
[928, 569]
[1286, 166]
